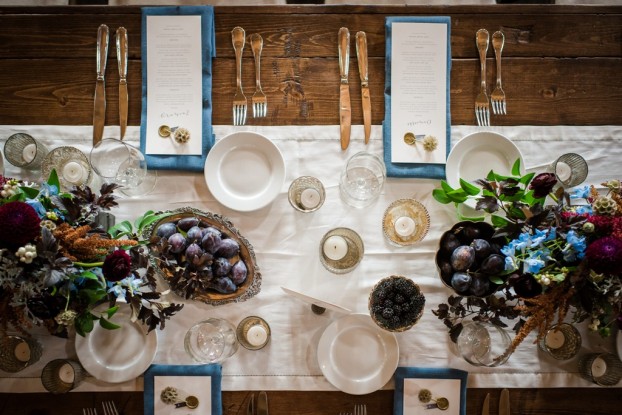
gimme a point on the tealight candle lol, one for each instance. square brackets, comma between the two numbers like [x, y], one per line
[66, 373]
[29, 152]
[335, 247]
[74, 172]
[599, 367]
[563, 171]
[310, 198]
[405, 226]
[256, 335]
[555, 339]
[22, 351]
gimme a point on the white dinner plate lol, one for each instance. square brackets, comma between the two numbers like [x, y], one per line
[475, 155]
[356, 356]
[118, 355]
[245, 171]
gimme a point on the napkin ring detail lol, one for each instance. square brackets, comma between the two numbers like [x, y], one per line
[429, 142]
[180, 135]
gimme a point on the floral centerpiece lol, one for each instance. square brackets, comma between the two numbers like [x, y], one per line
[57, 264]
[561, 257]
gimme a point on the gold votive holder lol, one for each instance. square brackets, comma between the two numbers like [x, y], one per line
[306, 194]
[561, 342]
[604, 369]
[24, 151]
[62, 375]
[405, 222]
[341, 250]
[17, 353]
[253, 333]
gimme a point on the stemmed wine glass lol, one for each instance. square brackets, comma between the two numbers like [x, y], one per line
[117, 162]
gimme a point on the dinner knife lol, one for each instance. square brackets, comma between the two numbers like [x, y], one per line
[504, 402]
[99, 108]
[262, 403]
[345, 111]
[122, 61]
[486, 406]
[315, 301]
[361, 57]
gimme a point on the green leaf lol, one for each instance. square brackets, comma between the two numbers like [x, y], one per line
[496, 279]
[89, 275]
[53, 179]
[471, 218]
[84, 323]
[148, 220]
[29, 192]
[120, 229]
[499, 221]
[108, 325]
[527, 178]
[445, 186]
[440, 196]
[469, 188]
[110, 312]
[516, 167]
[490, 176]
[457, 196]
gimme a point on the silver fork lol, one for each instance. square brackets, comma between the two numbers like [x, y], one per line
[110, 408]
[360, 409]
[89, 411]
[482, 106]
[239, 99]
[259, 100]
[497, 98]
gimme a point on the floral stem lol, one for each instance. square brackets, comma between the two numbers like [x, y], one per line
[89, 264]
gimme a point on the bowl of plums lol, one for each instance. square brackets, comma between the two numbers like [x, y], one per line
[203, 257]
[469, 259]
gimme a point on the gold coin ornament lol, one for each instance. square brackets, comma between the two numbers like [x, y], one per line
[429, 142]
[164, 131]
[410, 139]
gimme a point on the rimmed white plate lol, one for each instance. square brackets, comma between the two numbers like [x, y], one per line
[119, 355]
[356, 356]
[476, 154]
[245, 171]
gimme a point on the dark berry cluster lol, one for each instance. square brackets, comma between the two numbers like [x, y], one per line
[396, 303]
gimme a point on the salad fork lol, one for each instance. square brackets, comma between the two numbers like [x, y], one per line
[239, 99]
[360, 409]
[482, 106]
[89, 411]
[259, 100]
[497, 98]
[109, 408]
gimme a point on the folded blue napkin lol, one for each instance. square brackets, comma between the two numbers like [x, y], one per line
[420, 170]
[208, 39]
[213, 370]
[426, 373]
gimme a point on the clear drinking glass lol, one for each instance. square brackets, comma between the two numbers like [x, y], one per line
[211, 341]
[362, 179]
[483, 344]
[115, 161]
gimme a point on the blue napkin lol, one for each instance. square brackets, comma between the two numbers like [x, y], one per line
[426, 373]
[213, 370]
[208, 38]
[420, 170]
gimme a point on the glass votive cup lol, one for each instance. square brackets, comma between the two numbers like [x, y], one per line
[253, 333]
[211, 341]
[62, 375]
[604, 369]
[362, 179]
[306, 194]
[570, 169]
[71, 165]
[484, 344]
[561, 342]
[405, 222]
[17, 353]
[341, 250]
[24, 151]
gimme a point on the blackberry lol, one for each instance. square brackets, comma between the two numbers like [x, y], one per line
[399, 298]
[387, 313]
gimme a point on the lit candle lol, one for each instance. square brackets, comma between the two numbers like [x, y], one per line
[66, 373]
[22, 351]
[29, 152]
[599, 367]
[257, 335]
[563, 171]
[404, 226]
[335, 247]
[555, 339]
[74, 172]
[309, 198]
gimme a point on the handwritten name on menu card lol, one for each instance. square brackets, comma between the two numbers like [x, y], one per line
[418, 90]
[174, 83]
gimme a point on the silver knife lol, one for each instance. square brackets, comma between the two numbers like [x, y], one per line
[122, 61]
[504, 402]
[345, 111]
[316, 301]
[99, 108]
[486, 406]
[361, 57]
[262, 403]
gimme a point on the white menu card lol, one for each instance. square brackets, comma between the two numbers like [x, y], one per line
[418, 90]
[174, 83]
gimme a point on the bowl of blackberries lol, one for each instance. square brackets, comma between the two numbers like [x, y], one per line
[203, 257]
[396, 303]
[469, 259]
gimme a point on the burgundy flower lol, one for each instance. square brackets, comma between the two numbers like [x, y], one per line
[117, 265]
[525, 285]
[604, 255]
[19, 224]
[542, 184]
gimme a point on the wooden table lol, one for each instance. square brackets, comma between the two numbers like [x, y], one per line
[561, 65]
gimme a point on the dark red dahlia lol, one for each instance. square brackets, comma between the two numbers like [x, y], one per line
[19, 224]
[542, 184]
[604, 255]
[117, 266]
